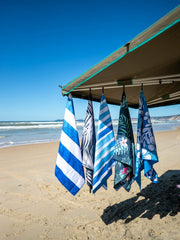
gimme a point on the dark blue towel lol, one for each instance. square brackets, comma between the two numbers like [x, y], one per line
[146, 153]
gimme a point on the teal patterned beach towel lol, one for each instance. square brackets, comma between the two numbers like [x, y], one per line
[124, 153]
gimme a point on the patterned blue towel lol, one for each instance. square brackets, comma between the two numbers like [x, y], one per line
[69, 169]
[146, 153]
[124, 152]
[104, 148]
[88, 144]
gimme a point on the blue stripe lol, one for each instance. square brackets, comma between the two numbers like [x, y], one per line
[104, 140]
[103, 105]
[105, 169]
[103, 181]
[103, 124]
[105, 135]
[66, 182]
[71, 132]
[70, 106]
[71, 159]
[104, 132]
[99, 165]
[102, 97]
[109, 159]
[104, 114]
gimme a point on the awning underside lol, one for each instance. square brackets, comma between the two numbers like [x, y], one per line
[152, 58]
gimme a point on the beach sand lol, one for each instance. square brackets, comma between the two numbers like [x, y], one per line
[34, 205]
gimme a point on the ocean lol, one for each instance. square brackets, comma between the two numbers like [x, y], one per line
[30, 132]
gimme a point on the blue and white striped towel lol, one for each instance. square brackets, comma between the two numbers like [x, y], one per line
[104, 148]
[69, 169]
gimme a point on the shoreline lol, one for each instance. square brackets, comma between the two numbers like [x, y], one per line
[155, 132]
[25, 144]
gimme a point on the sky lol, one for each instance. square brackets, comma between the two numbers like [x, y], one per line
[46, 43]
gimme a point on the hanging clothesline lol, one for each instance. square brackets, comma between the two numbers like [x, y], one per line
[168, 79]
[100, 154]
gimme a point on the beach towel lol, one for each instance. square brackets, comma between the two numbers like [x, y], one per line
[124, 152]
[146, 153]
[69, 168]
[104, 148]
[88, 144]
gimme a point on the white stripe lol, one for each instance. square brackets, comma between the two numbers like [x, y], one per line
[71, 145]
[104, 146]
[99, 169]
[100, 179]
[105, 154]
[105, 137]
[70, 172]
[70, 118]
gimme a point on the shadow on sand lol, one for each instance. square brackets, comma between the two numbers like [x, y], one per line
[161, 198]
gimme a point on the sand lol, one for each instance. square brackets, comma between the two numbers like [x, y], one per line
[34, 205]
